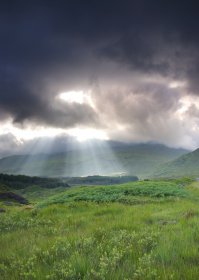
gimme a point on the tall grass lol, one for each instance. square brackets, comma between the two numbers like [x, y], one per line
[106, 240]
[127, 193]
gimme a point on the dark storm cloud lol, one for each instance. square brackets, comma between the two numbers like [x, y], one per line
[48, 46]
[147, 111]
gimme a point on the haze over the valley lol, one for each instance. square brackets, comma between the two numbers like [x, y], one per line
[107, 70]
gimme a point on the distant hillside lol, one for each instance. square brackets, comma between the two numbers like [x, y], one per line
[100, 180]
[7, 196]
[143, 159]
[111, 158]
[185, 165]
[18, 182]
[21, 189]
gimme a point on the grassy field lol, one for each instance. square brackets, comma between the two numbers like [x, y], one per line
[140, 230]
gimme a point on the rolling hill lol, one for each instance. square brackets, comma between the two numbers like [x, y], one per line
[110, 158]
[19, 188]
[185, 165]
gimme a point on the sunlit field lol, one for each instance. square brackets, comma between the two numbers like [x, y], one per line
[139, 230]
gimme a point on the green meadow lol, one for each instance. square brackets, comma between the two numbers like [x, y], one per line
[138, 230]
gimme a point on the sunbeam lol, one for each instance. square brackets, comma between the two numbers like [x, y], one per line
[93, 157]
[34, 160]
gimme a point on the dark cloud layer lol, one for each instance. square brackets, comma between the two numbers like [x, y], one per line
[52, 46]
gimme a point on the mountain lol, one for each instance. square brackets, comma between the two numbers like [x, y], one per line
[143, 159]
[98, 158]
[185, 165]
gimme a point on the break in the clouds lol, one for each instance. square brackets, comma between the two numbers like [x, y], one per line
[136, 64]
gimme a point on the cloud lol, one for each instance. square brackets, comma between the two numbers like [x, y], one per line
[8, 144]
[133, 49]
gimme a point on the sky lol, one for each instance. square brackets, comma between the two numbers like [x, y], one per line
[110, 70]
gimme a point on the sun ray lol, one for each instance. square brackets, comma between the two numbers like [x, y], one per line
[93, 158]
